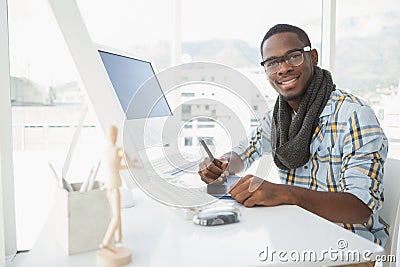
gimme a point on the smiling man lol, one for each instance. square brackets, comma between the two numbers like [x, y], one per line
[327, 144]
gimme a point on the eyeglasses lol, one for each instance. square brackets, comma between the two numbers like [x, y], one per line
[293, 58]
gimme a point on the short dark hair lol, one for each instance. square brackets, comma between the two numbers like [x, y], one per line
[280, 28]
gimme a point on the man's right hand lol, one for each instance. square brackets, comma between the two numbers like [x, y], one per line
[210, 173]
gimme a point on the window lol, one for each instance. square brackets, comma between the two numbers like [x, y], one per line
[145, 28]
[367, 62]
[207, 139]
[254, 123]
[204, 119]
[219, 40]
[46, 106]
[205, 126]
[188, 141]
[47, 101]
[187, 94]
[186, 109]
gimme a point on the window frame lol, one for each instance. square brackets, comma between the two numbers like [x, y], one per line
[8, 246]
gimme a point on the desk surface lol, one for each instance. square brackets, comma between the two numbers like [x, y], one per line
[161, 236]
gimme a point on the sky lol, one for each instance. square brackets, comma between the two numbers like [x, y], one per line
[37, 48]
[209, 19]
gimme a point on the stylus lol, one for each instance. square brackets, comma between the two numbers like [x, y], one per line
[210, 155]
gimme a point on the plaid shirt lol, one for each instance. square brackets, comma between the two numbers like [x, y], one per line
[348, 150]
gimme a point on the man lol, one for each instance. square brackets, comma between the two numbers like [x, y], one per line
[327, 144]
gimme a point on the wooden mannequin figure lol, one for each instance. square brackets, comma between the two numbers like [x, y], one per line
[113, 255]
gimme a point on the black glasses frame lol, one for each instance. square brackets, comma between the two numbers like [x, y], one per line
[284, 57]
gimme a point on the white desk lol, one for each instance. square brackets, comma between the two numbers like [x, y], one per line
[160, 236]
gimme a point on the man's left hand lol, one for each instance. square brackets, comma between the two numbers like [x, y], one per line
[253, 191]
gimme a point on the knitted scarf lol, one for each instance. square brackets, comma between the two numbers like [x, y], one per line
[291, 138]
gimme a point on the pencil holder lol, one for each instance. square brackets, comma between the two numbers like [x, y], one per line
[82, 218]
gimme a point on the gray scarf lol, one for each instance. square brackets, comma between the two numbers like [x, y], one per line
[291, 138]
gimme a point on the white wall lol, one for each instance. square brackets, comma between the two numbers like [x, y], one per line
[7, 210]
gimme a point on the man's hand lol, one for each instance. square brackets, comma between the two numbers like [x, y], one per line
[338, 207]
[252, 191]
[210, 173]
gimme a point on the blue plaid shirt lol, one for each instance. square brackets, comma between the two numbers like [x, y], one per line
[348, 151]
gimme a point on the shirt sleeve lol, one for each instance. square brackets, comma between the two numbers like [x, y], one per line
[364, 153]
[257, 144]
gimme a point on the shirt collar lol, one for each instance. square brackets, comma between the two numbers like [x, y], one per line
[329, 108]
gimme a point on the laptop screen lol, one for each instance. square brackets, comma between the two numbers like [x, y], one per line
[136, 86]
